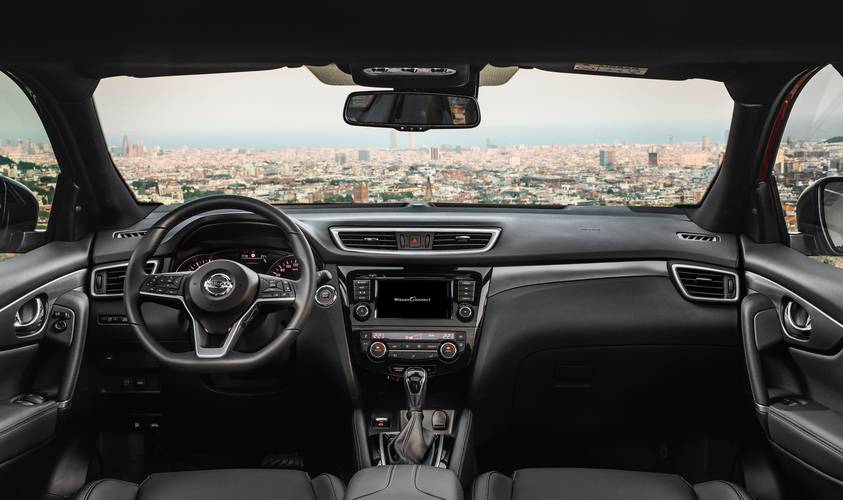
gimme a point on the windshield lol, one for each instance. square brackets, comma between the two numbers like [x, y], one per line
[544, 138]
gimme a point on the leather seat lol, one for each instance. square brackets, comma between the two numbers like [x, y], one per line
[226, 484]
[599, 484]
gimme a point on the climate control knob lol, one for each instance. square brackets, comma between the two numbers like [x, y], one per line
[362, 312]
[465, 312]
[377, 350]
[448, 351]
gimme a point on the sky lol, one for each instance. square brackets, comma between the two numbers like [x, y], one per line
[291, 108]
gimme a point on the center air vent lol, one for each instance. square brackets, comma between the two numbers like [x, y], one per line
[368, 240]
[705, 283]
[415, 240]
[461, 241]
[698, 237]
[107, 281]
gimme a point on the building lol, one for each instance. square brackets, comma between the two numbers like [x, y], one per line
[360, 192]
[393, 139]
[653, 158]
[364, 155]
[434, 153]
[694, 160]
[428, 190]
[608, 158]
[705, 143]
[341, 158]
[126, 145]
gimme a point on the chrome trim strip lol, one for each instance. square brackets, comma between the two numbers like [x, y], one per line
[94, 272]
[688, 296]
[508, 277]
[495, 231]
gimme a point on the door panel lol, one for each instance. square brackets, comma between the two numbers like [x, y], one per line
[43, 318]
[793, 339]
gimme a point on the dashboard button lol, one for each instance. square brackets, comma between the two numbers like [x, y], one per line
[378, 350]
[362, 312]
[326, 295]
[448, 351]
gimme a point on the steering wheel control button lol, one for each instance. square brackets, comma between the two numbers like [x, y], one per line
[162, 284]
[275, 288]
[448, 351]
[465, 312]
[377, 350]
[326, 295]
[362, 312]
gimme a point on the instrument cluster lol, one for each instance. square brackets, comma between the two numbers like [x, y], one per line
[273, 262]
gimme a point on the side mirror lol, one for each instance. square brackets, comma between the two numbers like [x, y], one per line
[819, 216]
[411, 111]
[18, 214]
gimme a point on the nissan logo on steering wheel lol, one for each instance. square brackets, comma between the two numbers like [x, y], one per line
[219, 285]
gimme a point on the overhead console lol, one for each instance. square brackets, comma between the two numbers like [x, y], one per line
[402, 317]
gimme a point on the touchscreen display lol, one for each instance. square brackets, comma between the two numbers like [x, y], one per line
[413, 299]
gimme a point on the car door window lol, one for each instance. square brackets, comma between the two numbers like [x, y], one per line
[811, 150]
[27, 162]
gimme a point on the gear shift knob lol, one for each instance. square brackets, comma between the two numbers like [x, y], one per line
[415, 387]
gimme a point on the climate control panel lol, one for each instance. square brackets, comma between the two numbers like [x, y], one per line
[391, 351]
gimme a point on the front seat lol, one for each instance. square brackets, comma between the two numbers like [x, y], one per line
[224, 484]
[599, 484]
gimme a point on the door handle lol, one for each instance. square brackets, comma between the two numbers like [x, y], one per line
[27, 321]
[797, 318]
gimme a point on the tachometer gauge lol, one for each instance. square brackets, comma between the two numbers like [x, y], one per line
[286, 267]
[195, 262]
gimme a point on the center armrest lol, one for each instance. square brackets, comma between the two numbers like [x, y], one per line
[404, 482]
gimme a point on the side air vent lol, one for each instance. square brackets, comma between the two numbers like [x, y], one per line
[712, 238]
[705, 283]
[369, 240]
[128, 234]
[107, 281]
[461, 241]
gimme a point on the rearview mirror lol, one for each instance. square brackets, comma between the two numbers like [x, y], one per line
[18, 213]
[411, 111]
[819, 214]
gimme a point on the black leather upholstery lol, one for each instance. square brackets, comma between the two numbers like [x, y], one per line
[599, 484]
[227, 484]
[404, 482]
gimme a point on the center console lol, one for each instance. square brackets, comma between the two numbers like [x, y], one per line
[401, 318]
[405, 326]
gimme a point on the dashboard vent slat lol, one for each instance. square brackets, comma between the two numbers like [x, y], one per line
[461, 241]
[710, 238]
[128, 234]
[376, 240]
[706, 284]
[108, 281]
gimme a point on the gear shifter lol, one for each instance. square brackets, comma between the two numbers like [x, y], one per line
[412, 443]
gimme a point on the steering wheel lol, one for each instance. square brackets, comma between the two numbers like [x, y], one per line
[222, 296]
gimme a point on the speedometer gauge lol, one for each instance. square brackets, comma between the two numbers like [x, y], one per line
[195, 262]
[286, 267]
